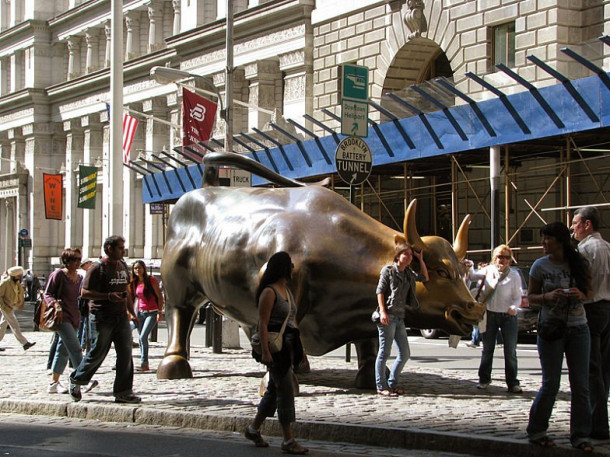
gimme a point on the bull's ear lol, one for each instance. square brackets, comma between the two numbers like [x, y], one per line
[399, 239]
[460, 244]
[410, 228]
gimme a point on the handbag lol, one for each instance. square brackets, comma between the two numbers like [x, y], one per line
[554, 328]
[51, 315]
[276, 339]
[376, 316]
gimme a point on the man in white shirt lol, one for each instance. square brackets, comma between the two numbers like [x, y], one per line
[596, 250]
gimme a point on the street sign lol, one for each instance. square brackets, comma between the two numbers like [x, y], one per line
[355, 82]
[354, 118]
[157, 208]
[354, 100]
[353, 160]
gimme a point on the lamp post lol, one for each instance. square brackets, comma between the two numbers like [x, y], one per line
[165, 75]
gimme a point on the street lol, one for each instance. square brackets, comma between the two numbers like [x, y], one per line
[38, 436]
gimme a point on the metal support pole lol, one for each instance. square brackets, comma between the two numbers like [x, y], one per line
[229, 79]
[494, 180]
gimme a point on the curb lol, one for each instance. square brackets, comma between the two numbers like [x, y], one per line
[310, 430]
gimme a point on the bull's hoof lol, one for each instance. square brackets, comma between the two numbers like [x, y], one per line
[365, 379]
[174, 367]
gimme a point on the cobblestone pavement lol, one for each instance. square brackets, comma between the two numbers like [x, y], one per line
[441, 411]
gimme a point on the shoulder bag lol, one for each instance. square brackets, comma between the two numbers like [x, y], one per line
[553, 328]
[51, 315]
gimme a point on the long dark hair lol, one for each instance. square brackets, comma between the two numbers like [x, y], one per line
[579, 267]
[135, 280]
[279, 266]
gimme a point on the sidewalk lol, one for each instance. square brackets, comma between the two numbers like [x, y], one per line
[441, 411]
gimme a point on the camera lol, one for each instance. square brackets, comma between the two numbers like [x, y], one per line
[567, 291]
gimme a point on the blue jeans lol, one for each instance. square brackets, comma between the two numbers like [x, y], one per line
[67, 346]
[146, 323]
[394, 331]
[576, 346]
[107, 329]
[509, 329]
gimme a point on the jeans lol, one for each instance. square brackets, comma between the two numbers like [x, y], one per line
[509, 330]
[576, 346]
[279, 395]
[598, 319]
[52, 350]
[83, 331]
[146, 323]
[395, 330]
[107, 329]
[67, 346]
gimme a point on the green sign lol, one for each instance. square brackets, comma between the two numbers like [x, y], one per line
[87, 186]
[355, 82]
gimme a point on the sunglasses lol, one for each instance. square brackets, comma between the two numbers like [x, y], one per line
[75, 259]
[505, 257]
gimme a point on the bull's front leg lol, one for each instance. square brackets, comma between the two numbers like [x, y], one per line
[175, 363]
[367, 354]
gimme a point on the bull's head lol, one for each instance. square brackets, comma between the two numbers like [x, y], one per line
[445, 300]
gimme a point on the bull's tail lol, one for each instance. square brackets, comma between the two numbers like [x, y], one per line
[212, 159]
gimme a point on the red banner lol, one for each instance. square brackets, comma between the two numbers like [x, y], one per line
[53, 196]
[198, 116]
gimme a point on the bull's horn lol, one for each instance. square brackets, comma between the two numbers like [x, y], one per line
[460, 245]
[410, 228]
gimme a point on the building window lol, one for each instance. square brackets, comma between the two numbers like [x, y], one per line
[504, 44]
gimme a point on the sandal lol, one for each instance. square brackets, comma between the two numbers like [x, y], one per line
[292, 447]
[398, 391]
[586, 447]
[545, 441]
[387, 393]
[255, 437]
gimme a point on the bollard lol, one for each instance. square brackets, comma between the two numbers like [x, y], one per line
[217, 334]
[209, 322]
[348, 352]
[154, 333]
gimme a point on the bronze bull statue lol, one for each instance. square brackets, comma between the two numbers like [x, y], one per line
[218, 239]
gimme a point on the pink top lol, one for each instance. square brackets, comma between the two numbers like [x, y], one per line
[147, 303]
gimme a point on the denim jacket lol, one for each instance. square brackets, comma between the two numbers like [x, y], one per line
[393, 289]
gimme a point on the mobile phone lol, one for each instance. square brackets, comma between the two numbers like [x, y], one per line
[567, 291]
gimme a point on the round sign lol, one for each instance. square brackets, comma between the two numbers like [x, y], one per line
[23, 233]
[353, 160]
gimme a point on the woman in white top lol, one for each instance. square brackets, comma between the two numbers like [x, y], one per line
[501, 292]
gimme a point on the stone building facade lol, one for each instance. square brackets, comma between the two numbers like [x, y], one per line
[54, 82]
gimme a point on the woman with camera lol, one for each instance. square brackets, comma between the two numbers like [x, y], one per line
[559, 282]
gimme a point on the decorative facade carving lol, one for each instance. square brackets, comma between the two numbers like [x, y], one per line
[415, 18]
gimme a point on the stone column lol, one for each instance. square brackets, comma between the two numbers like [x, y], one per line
[108, 35]
[298, 84]
[73, 235]
[74, 57]
[263, 76]
[16, 81]
[5, 74]
[155, 26]
[151, 237]
[41, 141]
[92, 155]
[132, 42]
[92, 40]
[177, 19]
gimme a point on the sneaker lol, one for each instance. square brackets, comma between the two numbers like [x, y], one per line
[92, 385]
[483, 385]
[74, 390]
[472, 345]
[127, 398]
[515, 389]
[56, 388]
[28, 345]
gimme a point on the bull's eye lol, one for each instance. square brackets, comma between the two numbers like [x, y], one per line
[443, 273]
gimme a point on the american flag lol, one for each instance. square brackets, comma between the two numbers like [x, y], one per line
[130, 124]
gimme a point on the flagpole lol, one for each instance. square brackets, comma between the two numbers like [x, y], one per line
[114, 196]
